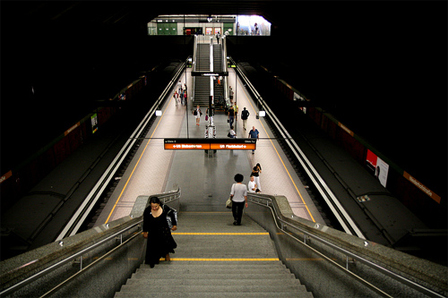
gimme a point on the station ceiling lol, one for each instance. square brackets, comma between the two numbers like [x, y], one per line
[135, 14]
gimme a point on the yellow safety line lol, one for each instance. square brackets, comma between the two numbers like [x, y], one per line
[306, 206]
[214, 212]
[218, 259]
[221, 234]
[141, 155]
[225, 259]
[305, 259]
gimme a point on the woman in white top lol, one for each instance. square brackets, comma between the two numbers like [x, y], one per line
[252, 186]
[197, 113]
[238, 194]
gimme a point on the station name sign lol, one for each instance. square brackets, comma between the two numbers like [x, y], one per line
[209, 144]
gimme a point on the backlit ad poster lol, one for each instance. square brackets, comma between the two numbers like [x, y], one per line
[379, 167]
[381, 171]
[94, 122]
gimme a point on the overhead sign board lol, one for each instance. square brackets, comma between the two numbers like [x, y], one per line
[209, 144]
[209, 74]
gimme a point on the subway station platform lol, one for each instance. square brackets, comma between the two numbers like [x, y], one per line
[207, 240]
[204, 178]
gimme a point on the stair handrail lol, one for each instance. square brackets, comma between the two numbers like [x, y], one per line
[333, 203]
[78, 218]
[195, 62]
[71, 250]
[224, 53]
[287, 222]
[224, 69]
[211, 80]
[195, 49]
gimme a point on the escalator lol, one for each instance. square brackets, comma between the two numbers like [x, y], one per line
[202, 84]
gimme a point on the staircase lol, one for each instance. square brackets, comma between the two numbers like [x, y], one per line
[208, 279]
[214, 258]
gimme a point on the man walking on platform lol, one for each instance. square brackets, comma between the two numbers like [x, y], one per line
[254, 134]
[244, 115]
[231, 115]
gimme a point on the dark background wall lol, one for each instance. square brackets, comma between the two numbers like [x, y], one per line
[378, 66]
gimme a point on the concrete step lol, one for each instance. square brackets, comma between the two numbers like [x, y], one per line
[212, 271]
[229, 262]
[235, 281]
[172, 286]
[181, 266]
[270, 276]
[227, 294]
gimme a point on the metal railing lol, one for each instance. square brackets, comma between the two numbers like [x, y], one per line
[293, 227]
[224, 68]
[121, 230]
[333, 203]
[89, 202]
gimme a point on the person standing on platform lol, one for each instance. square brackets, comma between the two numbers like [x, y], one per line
[197, 113]
[231, 115]
[235, 108]
[254, 134]
[244, 115]
[185, 98]
[238, 194]
[232, 133]
[256, 171]
[231, 94]
[155, 228]
[210, 113]
[176, 98]
[184, 91]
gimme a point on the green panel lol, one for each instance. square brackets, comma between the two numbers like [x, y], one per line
[228, 26]
[172, 28]
[167, 28]
[161, 29]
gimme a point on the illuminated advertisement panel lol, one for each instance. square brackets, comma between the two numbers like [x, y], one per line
[94, 122]
[379, 166]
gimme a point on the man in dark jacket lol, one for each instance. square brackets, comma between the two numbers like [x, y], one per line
[244, 115]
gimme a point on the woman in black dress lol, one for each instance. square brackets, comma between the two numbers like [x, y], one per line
[156, 230]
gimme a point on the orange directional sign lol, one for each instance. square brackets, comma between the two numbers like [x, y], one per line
[210, 144]
[186, 146]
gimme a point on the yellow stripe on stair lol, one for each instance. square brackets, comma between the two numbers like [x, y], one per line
[221, 234]
[225, 259]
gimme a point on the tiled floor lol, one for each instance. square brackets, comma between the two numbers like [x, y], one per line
[206, 179]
